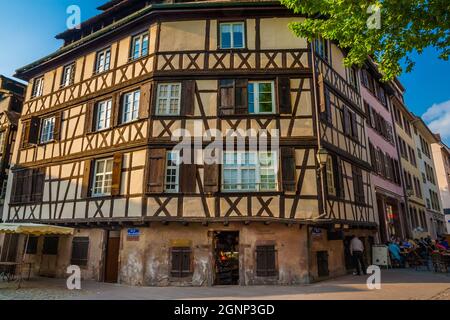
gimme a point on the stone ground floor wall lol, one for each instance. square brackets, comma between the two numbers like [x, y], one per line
[55, 266]
[144, 258]
[147, 261]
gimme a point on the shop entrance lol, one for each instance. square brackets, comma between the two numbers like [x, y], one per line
[226, 250]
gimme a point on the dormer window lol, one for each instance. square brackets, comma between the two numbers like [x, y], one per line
[139, 46]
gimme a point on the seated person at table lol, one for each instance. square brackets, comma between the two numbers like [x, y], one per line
[444, 243]
[439, 246]
[395, 252]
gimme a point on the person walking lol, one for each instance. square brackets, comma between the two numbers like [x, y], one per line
[357, 251]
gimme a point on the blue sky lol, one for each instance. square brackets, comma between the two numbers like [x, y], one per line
[29, 27]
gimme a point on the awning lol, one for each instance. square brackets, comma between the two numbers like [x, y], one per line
[34, 229]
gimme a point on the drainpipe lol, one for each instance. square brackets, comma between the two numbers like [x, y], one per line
[319, 142]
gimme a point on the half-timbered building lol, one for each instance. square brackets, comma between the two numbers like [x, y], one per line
[100, 132]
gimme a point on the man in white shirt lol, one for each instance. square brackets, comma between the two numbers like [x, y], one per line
[357, 251]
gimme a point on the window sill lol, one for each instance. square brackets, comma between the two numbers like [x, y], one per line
[127, 123]
[98, 73]
[41, 144]
[132, 59]
[250, 116]
[231, 50]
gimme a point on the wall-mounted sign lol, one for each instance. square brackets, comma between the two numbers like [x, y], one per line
[133, 234]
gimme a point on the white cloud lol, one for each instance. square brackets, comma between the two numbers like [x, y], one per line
[438, 119]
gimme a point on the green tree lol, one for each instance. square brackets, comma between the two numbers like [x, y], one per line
[404, 26]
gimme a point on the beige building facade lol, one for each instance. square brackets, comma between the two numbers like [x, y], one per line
[100, 131]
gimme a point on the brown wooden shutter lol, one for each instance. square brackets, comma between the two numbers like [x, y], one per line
[38, 182]
[265, 261]
[28, 185]
[367, 111]
[89, 119]
[188, 98]
[86, 186]
[145, 99]
[211, 178]
[354, 125]
[338, 176]
[347, 121]
[321, 93]
[116, 109]
[288, 169]
[25, 133]
[154, 98]
[241, 95]
[33, 137]
[57, 127]
[188, 178]
[117, 174]
[226, 97]
[284, 95]
[156, 170]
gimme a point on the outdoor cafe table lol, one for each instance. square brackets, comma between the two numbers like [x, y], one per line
[20, 265]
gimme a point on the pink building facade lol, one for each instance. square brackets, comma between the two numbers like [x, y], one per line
[387, 189]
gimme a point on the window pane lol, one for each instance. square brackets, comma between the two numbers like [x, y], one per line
[145, 46]
[251, 98]
[238, 36]
[136, 47]
[225, 36]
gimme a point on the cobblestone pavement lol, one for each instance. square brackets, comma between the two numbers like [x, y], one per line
[396, 285]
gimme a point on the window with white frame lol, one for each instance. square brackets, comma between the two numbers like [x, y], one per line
[130, 106]
[139, 46]
[250, 171]
[103, 61]
[103, 115]
[68, 75]
[102, 181]
[261, 97]
[47, 129]
[38, 87]
[172, 171]
[169, 97]
[232, 35]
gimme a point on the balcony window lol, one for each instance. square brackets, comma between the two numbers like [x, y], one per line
[232, 35]
[103, 115]
[103, 177]
[130, 106]
[250, 171]
[48, 126]
[103, 61]
[139, 46]
[169, 97]
[261, 97]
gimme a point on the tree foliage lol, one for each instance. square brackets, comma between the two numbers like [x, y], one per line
[404, 26]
